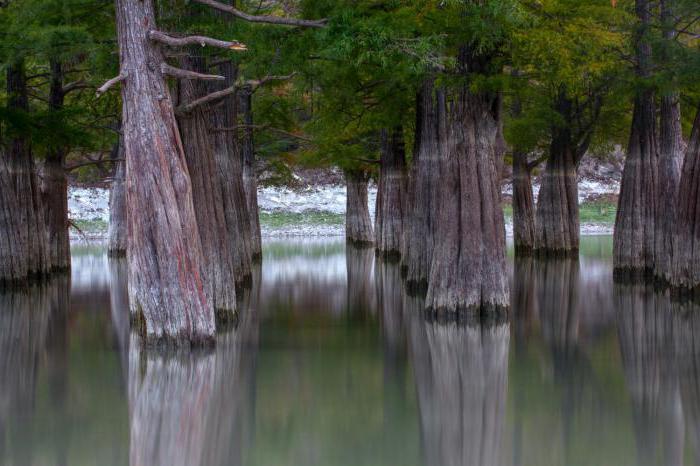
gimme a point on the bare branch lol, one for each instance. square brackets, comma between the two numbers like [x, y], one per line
[264, 18]
[179, 73]
[256, 83]
[106, 86]
[196, 40]
[207, 99]
[74, 86]
[262, 127]
[91, 162]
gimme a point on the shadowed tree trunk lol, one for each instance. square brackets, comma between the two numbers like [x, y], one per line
[557, 225]
[166, 286]
[117, 205]
[208, 197]
[523, 206]
[250, 177]
[670, 162]
[23, 239]
[227, 151]
[359, 264]
[634, 237]
[389, 216]
[468, 268]
[54, 185]
[686, 256]
[421, 196]
[358, 224]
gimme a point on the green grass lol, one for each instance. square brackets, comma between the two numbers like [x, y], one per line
[596, 212]
[285, 219]
[95, 225]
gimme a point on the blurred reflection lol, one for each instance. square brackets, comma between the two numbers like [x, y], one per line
[646, 338]
[119, 309]
[33, 332]
[461, 375]
[360, 265]
[196, 407]
[686, 333]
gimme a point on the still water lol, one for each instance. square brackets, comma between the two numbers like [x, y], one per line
[331, 364]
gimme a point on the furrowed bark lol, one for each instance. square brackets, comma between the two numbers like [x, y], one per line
[421, 199]
[227, 152]
[634, 237]
[250, 177]
[166, 287]
[208, 198]
[118, 231]
[670, 163]
[468, 269]
[54, 185]
[686, 242]
[23, 241]
[390, 211]
[557, 225]
[358, 224]
[523, 206]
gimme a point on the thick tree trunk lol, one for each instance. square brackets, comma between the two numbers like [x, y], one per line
[421, 198]
[523, 206]
[54, 185]
[686, 256]
[118, 232]
[468, 269]
[634, 238]
[358, 224]
[557, 224]
[166, 286]
[208, 197]
[670, 163]
[23, 240]
[250, 177]
[390, 211]
[230, 175]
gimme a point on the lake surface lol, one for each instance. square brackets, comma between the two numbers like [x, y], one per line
[332, 364]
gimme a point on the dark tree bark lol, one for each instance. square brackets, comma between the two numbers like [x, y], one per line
[208, 197]
[468, 268]
[523, 206]
[166, 286]
[118, 231]
[421, 197]
[634, 237]
[686, 256]
[358, 224]
[227, 150]
[23, 241]
[557, 224]
[391, 193]
[670, 162]
[359, 263]
[54, 184]
[250, 177]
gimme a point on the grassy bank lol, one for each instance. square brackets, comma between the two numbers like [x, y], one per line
[595, 212]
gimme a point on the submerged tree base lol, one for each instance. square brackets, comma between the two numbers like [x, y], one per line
[390, 257]
[489, 315]
[545, 253]
[628, 275]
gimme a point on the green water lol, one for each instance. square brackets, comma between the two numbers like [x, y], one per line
[332, 364]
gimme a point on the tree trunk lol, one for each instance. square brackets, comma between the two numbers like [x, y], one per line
[358, 224]
[117, 206]
[468, 269]
[207, 197]
[54, 185]
[23, 240]
[421, 198]
[250, 178]
[670, 162]
[557, 224]
[389, 215]
[523, 206]
[230, 174]
[686, 257]
[634, 237]
[164, 249]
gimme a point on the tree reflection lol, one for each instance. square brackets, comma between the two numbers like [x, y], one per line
[461, 375]
[360, 264]
[32, 320]
[196, 407]
[646, 338]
